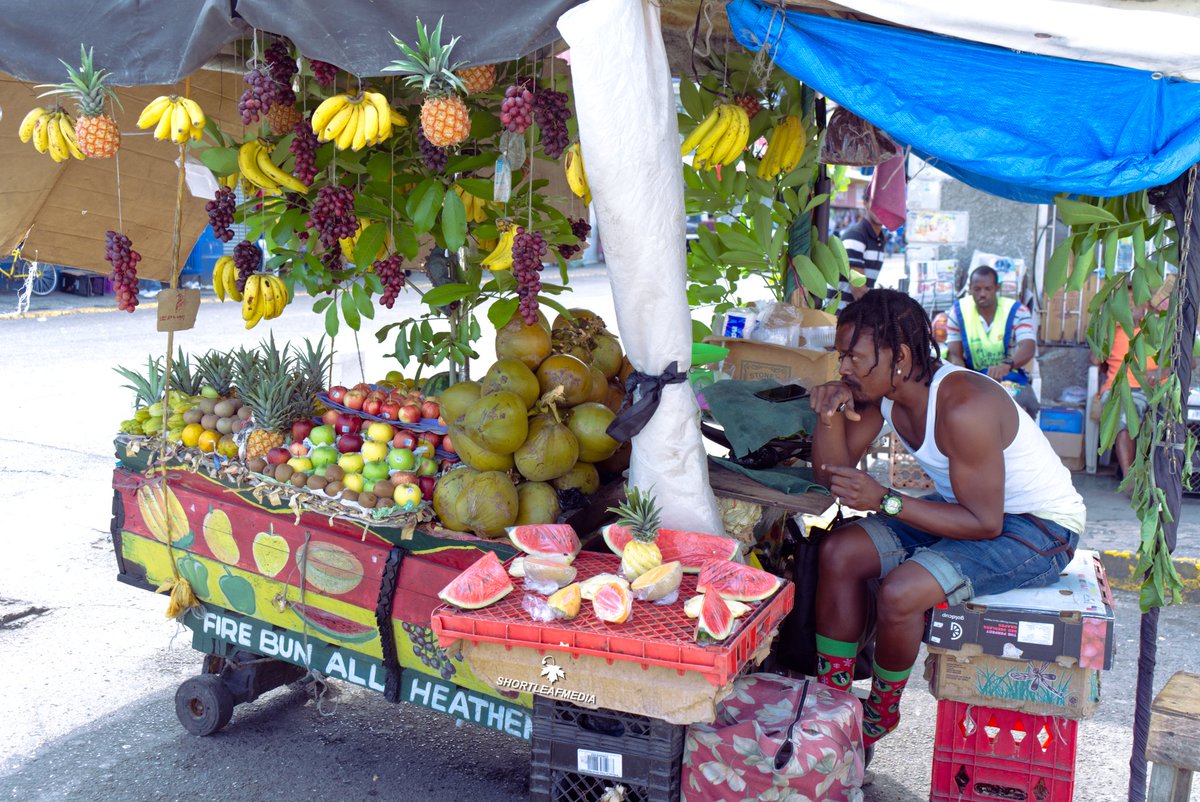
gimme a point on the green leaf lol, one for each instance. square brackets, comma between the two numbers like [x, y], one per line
[1085, 260]
[1078, 213]
[362, 300]
[479, 187]
[553, 304]
[1109, 417]
[1110, 252]
[423, 204]
[222, 161]
[447, 293]
[484, 125]
[699, 331]
[350, 310]
[825, 261]
[454, 221]
[1118, 305]
[815, 202]
[469, 164]
[500, 312]
[370, 241]
[1056, 267]
[321, 304]
[689, 97]
[810, 276]
[331, 320]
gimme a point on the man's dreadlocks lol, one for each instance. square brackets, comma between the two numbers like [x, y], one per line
[894, 319]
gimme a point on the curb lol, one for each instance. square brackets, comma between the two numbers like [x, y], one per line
[1122, 565]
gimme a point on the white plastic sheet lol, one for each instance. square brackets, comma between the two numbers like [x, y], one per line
[625, 103]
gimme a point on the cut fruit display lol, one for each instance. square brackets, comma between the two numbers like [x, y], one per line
[691, 608]
[566, 601]
[546, 572]
[545, 540]
[484, 583]
[716, 619]
[691, 549]
[589, 586]
[613, 603]
[658, 583]
[737, 581]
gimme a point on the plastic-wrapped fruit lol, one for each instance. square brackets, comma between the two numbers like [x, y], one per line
[658, 583]
[543, 571]
[566, 601]
[612, 603]
[589, 586]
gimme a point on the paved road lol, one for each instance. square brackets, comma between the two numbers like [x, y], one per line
[86, 701]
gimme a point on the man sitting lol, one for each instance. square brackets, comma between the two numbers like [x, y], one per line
[975, 341]
[1005, 514]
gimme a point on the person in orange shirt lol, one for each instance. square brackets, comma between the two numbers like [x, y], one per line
[1112, 366]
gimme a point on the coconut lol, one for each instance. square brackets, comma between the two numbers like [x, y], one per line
[513, 375]
[530, 344]
[606, 355]
[599, 392]
[589, 423]
[582, 318]
[568, 372]
[583, 477]
[476, 455]
[487, 503]
[614, 396]
[549, 452]
[446, 494]
[456, 399]
[538, 503]
[498, 421]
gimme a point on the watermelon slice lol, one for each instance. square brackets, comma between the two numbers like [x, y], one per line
[333, 627]
[692, 606]
[736, 581]
[716, 619]
[545, 540]
[691, 549]
[482, 584]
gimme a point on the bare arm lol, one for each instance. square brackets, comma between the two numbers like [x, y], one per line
[841, 437]
[954, 353]
[1023, 354]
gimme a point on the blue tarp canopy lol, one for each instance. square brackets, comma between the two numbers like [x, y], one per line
[1018, 125]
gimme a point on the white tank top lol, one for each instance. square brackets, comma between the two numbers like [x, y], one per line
[1035, 480]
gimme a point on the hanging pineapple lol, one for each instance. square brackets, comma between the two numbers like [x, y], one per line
[96, 133]
[640, 515]
[479, 78]
[445, 120]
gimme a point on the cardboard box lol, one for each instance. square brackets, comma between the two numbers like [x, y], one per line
[1069, 622]
[749, 361]
[1065, 317]
[1031, 686]
[1069, 447]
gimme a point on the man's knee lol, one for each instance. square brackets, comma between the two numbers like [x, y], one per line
[848, 553]
[907, 592]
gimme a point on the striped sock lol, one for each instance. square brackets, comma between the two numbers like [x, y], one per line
[881, 711]
[835, 662]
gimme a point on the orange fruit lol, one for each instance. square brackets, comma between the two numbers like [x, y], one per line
[208, 441]
[191, 434]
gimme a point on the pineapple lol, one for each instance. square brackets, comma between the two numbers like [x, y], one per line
[269, 390]
[96, 133]
[216, 371]
[311, 369]
[749, 103]
[148, 389]
[477, 79]
[445, 120]
[640, 514]
[245, 366]
[282, 118]
[183, 378]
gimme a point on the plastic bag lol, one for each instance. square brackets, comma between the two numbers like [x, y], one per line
[778, 324]
[851, 140]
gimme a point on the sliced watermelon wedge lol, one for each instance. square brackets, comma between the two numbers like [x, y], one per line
[736, 581]
[545, 540]
[716, 619]
[484, 583]
[333, 627]
[690, 549]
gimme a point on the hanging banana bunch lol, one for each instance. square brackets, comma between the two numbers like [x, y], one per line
[255, 165]
[576, 175]
[720, 138]
[173, 118]
[784, 148]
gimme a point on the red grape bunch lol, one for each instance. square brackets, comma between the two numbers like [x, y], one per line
[304, 147]
[581, 229]
[516, 110]
[323, 71]
[392, 274]
[528, 249]
[261, 94]
[248, 258]
[220, 213]
[551, 110]
[432, 156]
[119, 252]
[333, 217]
[282, 68]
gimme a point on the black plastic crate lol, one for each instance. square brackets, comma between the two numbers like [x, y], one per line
[577, 753]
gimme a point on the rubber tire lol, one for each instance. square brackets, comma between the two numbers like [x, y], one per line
[203, 705]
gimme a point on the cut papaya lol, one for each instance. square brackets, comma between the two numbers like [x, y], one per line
[736, 581]
[333, 627]
[566, 601]
[716, 619]
[612, 603]
[484, 583]
[690, 549]
[589, 586]
[545, 540]
[658, 583]
[517, 566]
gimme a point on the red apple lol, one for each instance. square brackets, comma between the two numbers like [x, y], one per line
[431, 409]
[389, 410]
[278, 455]
[447, 465]
[372, 406]
[441, 421]
[404, 478]
[354, 399]
[298, 449]
[426, 483]
[433, 438]
[348, 443]
[448, 445]
[405, 439]
[410, 413]
[337, 393]
[380, 394]
[301, 428]
[347, 423]
[330, 418]
[364, 387]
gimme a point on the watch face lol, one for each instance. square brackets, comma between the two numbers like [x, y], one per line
[891, 504]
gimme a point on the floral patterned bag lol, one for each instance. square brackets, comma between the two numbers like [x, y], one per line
[777, 738]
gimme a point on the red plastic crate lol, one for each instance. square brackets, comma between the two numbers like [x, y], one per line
[981, 754]
[654, 635]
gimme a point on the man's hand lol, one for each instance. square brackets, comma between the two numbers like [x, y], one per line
[831, 398]
[998, 372]
[854, 488]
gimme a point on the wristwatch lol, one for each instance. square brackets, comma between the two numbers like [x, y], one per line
[891, 504]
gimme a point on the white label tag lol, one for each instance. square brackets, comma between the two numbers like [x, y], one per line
[606, 764]
[1033, 632]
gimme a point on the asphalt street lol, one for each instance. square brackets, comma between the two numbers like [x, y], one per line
[90, 666]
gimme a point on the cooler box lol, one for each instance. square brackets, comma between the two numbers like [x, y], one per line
[1069, 622]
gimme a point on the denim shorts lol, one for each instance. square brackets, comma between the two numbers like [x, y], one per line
[969, 568]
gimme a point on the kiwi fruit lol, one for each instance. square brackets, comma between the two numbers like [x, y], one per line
[257, 464]
[349, 495]
[384, 488]
[367, 499]
[244, 413]
[225, 425]
[334, 473]
[206, 405]
[333, 488]
[299, 479]
[283, 473]
[384, 502]
[317, 482]
[209, 422]
[193, 415]
[225, 408]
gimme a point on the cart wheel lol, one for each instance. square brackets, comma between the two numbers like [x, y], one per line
[203, 705]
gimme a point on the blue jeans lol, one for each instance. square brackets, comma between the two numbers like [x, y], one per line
[969, 568]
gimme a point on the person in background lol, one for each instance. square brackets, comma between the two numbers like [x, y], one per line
[864, 243]
[994, 335]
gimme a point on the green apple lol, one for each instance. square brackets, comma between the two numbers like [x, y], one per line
[380, 432]
[375, 451]
[407, 496]
[354, 481]
[302, 464]
[322, 435]
[426, 467]
[323, 455]
[375, 471]
[351, 462]
[401, 459]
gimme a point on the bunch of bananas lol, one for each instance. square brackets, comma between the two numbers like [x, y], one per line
[52, 131]
[576, 175]
[352, 123]
[501, 257]
[264, 298]
[255, 165]
[720, 138]
[475, 206]
[175, 118]
[784, 149]
[225, 276]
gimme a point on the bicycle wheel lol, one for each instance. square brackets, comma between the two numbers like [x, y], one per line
[45, 278]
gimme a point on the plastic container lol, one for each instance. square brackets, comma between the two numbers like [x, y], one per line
[817, 337]
[739, 323]
[981, 754]
[1061, 419]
